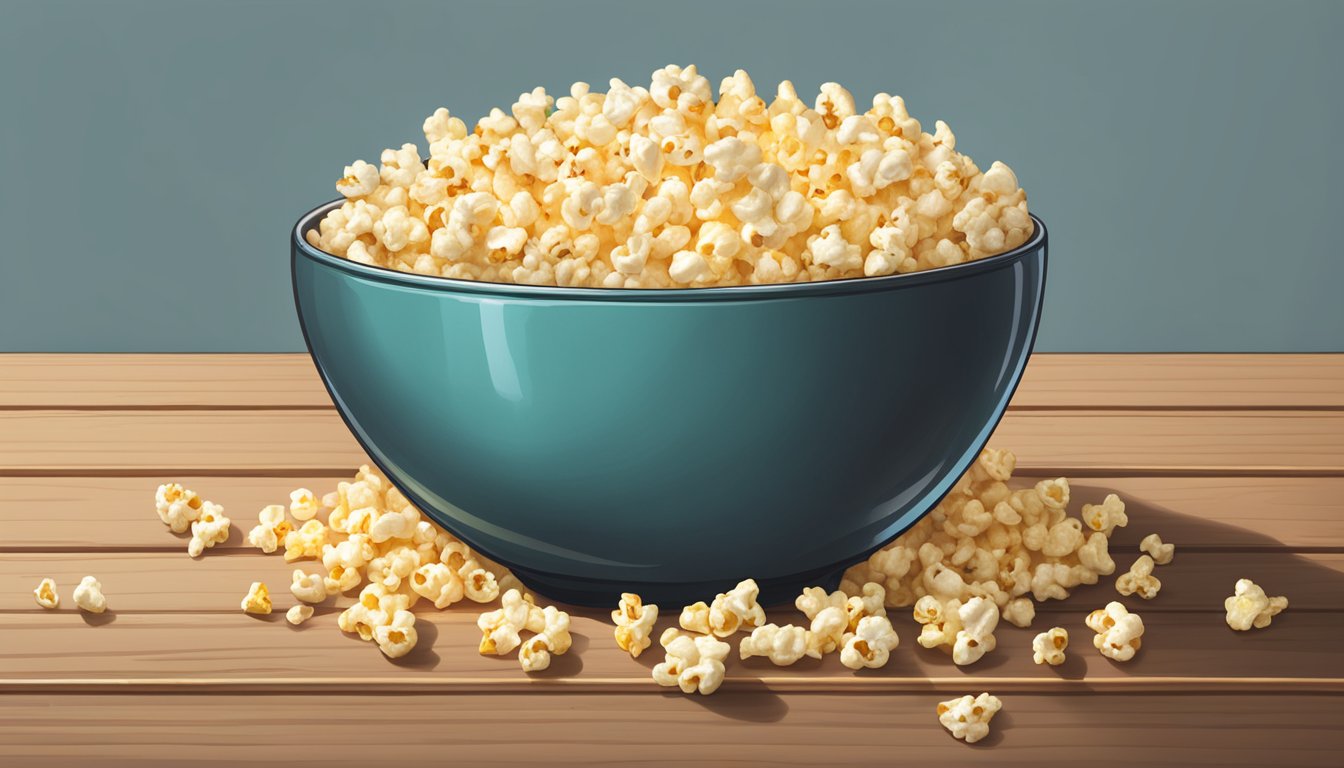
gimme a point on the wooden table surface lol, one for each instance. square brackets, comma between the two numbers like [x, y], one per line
[1237, 459]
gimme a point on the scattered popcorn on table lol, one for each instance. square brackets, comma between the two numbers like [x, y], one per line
[869, 603]
[258, 599]
[635, 188]
[731, 611]
[1119, 632]
[814, 600]
[827, 631]
[397, 637]
[299, 614]
[272, 528]
[1020, 612]
[501, 629]
[1161, 553]
[634, 624]
[1139, 580]
[89, 595]
[308, 587]
[870, 644]
[783, 646]
[177, 506]
[46, 596]
[978, 618]
[303, 505]
[306, 541]
[1048, 647]
[211, 528]
[968, 717]
[693, 663]
[1250, 607]
[553, 640]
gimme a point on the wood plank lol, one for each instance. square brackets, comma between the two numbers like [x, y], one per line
[172, 581]
[737, 729]
[1181, 650]
[1051, 381]
[271, 442]
[93, 513]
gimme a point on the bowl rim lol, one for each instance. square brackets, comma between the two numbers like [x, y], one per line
[309, 220]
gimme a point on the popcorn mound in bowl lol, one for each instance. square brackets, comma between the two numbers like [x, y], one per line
[664, 187]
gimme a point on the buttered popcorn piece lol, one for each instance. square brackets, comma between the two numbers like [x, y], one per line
[967, 718]
[1119, 632]
[1048, 647]
[870, 644]
[211, 528]
[310, 588]
[781, 645]
[663, 187]
[978, 618]
[89, 595]
[271, 529]
[731, 611]
[693, 662]
[305, 542]
[1139, 580]
[177, 506]
[303, 505]
[552, 639]
[1153, 546]
[397, 637]
[1249, 606]
[634, 624]
[46, 596]
[501, 629]
[258, 599]
[298, 614]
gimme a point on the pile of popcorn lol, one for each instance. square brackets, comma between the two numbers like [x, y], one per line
[664, 187]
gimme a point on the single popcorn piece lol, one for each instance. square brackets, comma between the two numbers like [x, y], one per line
[978, 618]
[438, 583]
[634, 624]
[397, 637]
[870, 644]
[967, 718]
[1106, 516]
[305, 542]
[177, 506]
[1153, 546]
[1249, 607]
[258, 599]
[553, 640]
[89, 595]
[1019, 612]
[827, 631]
[211, 528]
[1119, 632]
[501, 628]
[1048, 647]
[272, 528]
[309, 588]
[1139, 580]
[783, 646]
[693, 663]
[814, 600]
[871, 601]
[731, 611]
[303, 505]
[46, 596]
[480, 586]
[298, 614]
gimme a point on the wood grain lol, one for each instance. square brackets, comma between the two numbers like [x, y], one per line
[172, 581]
[1051, 381]
[727, 729]
[264, 442]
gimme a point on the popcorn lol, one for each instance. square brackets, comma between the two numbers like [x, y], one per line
[552, 639]
[397, 637]
[634, 624]
[178, 507]
[978, 618]
[46, 596]
[310, 588]
[1020, 612]
[556, 191]
[1107, 516]
[968, 717]
[258, 599]
[1249, 606]
[1119, 632]
[501, 628]
[272, 528]
[89, 595]
[1048, 647]
[814, 600]
[782, 645]
[211, 528]
[1153, 546]
[362, 620]
[298, 614]
[306, 542]
[480, 585]
[730, 611]
[827, 631]
[303, 505]
[870, 644]
[1140, 579]
[438, 583]
[693, 662]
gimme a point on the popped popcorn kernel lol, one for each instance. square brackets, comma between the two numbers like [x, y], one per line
[553, 639]
[781, 645]
[177, 507]
[257, 600]
[298, 614]
[1249, 607]
[967, 718]
[1161, 553]
[693, 662]
[89, 595]
[501, 628]
[634, 624]
[870, 644]
[46, 595]
[1048, 647]
[309, 588]
[1119, 632]
[305, 542]
[272, 528]
[1139, 580]
[397, 637]
[209, 529]
[731, 611]
[303, 505]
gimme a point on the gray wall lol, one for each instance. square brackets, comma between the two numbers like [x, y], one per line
[153, 154]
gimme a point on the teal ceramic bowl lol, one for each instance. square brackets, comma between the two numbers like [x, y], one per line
[672, 442]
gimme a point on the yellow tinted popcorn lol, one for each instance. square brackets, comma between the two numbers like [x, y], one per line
[271, 529]
[552, 640]
[967, 718]
[1048, 647]
[782, 645]
[662, 186]
[305, 542]
[693, 662]
[211, 528]
[1249, 606]
[1139, 580]
[397, 637]
[46, 596]
[258, 599]
[634, 624]
[177, 506]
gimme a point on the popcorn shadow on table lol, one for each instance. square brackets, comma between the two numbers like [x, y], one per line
[98, 619]
[422, 656]
[741, 699]
[570, 664]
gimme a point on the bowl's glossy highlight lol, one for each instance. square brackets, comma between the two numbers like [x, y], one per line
[672, 442]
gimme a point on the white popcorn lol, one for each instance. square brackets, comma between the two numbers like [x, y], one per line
[397, 637]
[731, 611]
[438, 583]
[1019, 612]
[634, 624]
[1048, 647]
[827, 631]
[1139, 580]
[1106, 516]
[782, 645]
[360, 179]
[305, 542]
[1119, 632]
[814, 600]
[978, 618]
[362, 620]
[968, 717]
[480, 585]
[298, 614]
[693, 662]
[178, 507]
[258, 599]
[209, 529]
[1153, 546]
[310, 588]
[46, 596]
[941, 622]
[870, 644]
[1249, 606]
[272, 528]
[89, 595]
[553, 639]
[303, 504]
[501, 628]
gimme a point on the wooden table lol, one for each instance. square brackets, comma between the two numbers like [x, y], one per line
[1237, 459]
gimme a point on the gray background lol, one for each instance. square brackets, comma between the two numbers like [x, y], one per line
[153, 155]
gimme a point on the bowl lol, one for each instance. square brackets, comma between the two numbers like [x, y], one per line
[671, 442]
